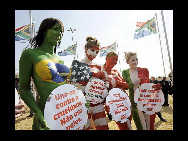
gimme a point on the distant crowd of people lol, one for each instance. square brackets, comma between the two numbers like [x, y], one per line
[167, 86]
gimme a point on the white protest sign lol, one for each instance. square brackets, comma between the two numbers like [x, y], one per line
[65, 109]
[96, 91]
[148, 99]
[16, 97]
[119, 103]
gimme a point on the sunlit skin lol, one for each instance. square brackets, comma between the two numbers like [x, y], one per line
[92, 52]
[133, 62]
[110, 63]
[27, 64]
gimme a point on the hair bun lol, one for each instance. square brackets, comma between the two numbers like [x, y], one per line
[126, 53]
[89, 38]
[92, 42]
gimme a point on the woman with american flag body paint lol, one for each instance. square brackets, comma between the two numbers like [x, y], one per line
[84, 71]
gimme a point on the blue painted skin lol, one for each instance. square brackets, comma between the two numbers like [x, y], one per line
[56, 69]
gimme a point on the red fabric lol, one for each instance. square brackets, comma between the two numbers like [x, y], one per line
[98, 115]
[152, 121]
[143, 74]
[122, 126]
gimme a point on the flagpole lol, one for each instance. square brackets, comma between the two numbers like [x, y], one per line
[160, 44]
[166, 40]
[76, 52]
[118, 57]
[31, 34]
[72, 30]
[34, 26]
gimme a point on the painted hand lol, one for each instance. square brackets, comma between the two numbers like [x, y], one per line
[40, 122]
[99, 75]
[96, 74]
[87, 104]
[156, 87]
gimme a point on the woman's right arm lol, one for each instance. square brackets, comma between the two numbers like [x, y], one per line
[25, 73]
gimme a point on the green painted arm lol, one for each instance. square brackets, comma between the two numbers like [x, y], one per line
[25, 73]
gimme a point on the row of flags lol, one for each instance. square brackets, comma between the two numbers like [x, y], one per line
[142, 29]
[71, 50]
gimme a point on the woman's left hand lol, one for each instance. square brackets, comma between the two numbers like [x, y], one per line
[87, 104]
[156, 87]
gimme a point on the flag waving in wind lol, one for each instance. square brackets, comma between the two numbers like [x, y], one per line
[145, 28]
[104, 50]
[71, 50]
[23, 33]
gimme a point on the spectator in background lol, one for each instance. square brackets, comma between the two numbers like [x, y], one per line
[17, 83]
[153, 80]
[165, 88]
[19, 107]
[171, 85]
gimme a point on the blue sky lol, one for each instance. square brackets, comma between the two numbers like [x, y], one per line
[107, 26]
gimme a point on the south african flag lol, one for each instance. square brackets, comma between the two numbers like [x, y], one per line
[145, 28]
[22, 33]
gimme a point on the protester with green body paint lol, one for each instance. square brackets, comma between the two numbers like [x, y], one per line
[46, 69]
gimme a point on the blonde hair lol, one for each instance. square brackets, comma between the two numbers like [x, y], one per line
[91, 42]
[109, 55]
[128, 55]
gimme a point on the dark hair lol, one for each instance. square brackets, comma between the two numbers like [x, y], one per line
[17, 79]
[92, 42]
[44, 26]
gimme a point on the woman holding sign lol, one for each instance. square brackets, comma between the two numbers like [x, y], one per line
[46, 69]
[82, 72]
[135, 76]
[116, 81]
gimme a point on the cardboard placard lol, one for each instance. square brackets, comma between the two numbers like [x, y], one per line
[96, 91]
[148, 99]
[65, 109]
[120, 105]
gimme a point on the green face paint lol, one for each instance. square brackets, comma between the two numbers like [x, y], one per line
[54, 35]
